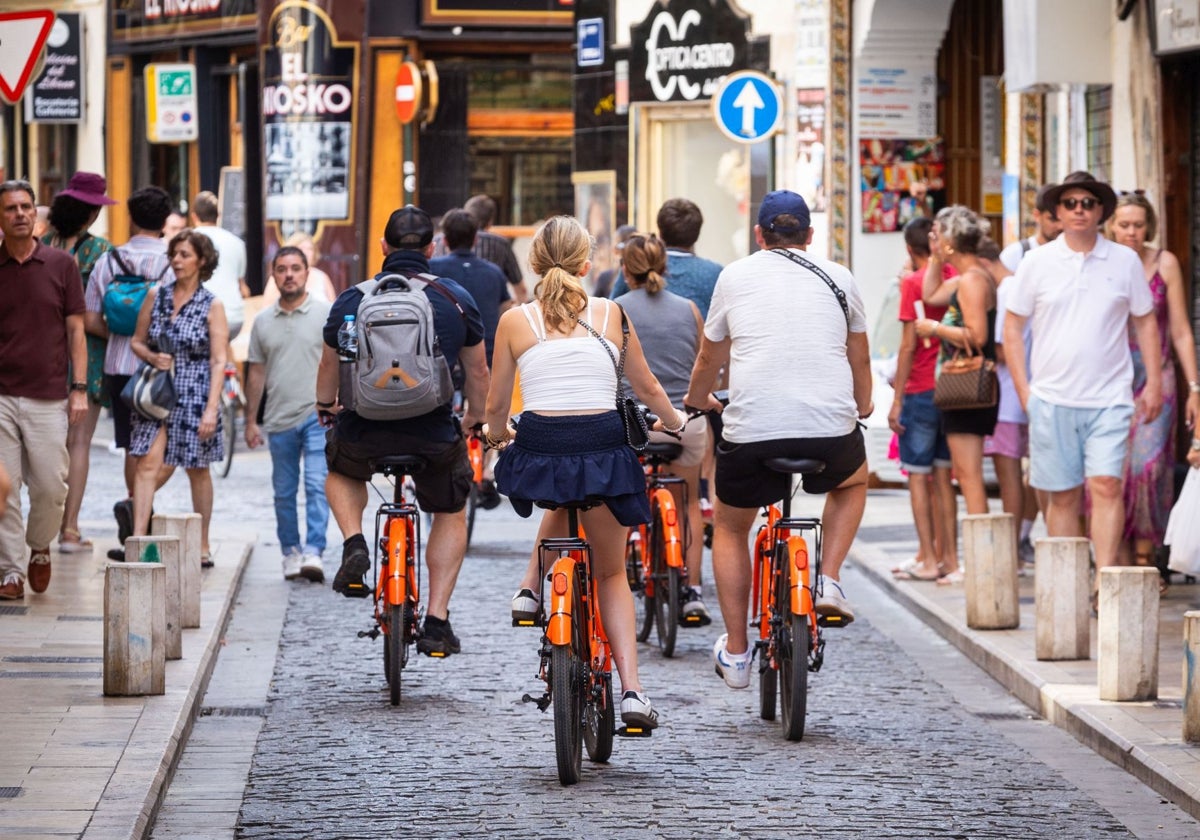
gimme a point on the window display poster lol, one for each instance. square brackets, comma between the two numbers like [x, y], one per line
[901, 179]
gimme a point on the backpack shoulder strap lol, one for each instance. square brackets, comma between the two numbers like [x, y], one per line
[116, 255]
[432, 282]
[1025, 246]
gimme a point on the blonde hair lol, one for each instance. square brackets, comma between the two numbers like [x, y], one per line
[645, 262]
[299, 239]
[558, 253]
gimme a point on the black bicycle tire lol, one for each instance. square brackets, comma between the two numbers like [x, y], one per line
[229, 436]
[395, 647]
[768, 682]
[567, 696]
[643, 604]
[666, 588]
[472, 506]
[793, 675]
[600, 723]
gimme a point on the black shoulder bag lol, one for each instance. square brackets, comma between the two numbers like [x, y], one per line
[637, 435]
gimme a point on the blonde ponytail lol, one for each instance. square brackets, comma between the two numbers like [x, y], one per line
[560, 250]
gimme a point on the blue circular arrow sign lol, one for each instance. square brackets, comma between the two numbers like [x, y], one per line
[747, 107]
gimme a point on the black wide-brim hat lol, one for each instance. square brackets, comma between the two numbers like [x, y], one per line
[1084, 181]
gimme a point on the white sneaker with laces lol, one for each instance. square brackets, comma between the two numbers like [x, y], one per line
[734, 668]
[525, 605]
[311, 567]
[291, 564]
[832, 600]
[637, 711]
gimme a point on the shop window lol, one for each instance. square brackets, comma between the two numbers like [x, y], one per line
[532, 177]
[56, 149]
[1099, 131]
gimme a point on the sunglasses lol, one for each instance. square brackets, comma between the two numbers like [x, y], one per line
[1085, 203]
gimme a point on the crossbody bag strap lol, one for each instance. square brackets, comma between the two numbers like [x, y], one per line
[817, 270]
[619, 365]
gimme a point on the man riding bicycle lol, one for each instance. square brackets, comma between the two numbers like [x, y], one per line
[354, 442]
[792, 328]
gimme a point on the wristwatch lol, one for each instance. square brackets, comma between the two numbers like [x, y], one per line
[78, 386]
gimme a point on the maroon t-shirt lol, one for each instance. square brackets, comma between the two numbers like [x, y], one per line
[36, 297]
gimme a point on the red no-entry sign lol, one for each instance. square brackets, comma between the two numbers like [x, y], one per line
[408, 92]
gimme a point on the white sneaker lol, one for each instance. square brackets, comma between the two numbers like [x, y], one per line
[637, 711]
[831, 601]
[525, 606]
[291, 564]
[734, 668]
[311, 568]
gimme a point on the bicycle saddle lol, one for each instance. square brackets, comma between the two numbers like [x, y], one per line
[665, 451]
[396, 464]
[804, 466]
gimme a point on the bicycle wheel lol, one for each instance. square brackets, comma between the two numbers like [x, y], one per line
[472, 504]
[599, 723]
[567, 690]
[395, 650]
[228, 437]
[793, 675]
[666, 588]
[768, 680]
[643, 603]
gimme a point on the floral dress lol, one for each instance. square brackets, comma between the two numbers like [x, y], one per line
[186, 337]
[87, 252]
[1149, 469]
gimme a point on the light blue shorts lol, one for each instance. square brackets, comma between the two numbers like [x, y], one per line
[1068, 445]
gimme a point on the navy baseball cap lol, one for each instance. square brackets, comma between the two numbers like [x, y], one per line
[409, 228]
[783, 203]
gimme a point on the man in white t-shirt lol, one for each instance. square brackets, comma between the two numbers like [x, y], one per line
[228, 281]
[1081, 292]
[1048, 229]
[792, 329]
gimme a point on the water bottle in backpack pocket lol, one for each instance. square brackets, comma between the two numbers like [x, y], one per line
[400, 371]
[347, 339]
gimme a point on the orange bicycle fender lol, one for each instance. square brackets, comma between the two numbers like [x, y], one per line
[663, 499]
[800, 574]
[397, 543]
[562, 584]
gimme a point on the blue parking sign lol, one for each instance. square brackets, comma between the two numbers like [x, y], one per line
[589, 36]
[747, 106]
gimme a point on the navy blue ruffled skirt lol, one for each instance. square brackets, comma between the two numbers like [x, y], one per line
[574, 458]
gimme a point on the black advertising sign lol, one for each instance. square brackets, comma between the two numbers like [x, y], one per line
[308, 117]
[681, 52]
[56, 96]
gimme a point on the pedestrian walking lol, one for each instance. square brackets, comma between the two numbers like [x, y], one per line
[1047, 229]
[1081, 292]
[571, 443]
[285, 351]
[789, 398]
[41, 338]
[143, 257]
[181, 327]
[72, 212]
[1149, 475]
[320, 286]
[492, 246]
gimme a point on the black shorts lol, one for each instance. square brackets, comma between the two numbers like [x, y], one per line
[743, 481]
[122, 419]
[442, 487]
[970, 421]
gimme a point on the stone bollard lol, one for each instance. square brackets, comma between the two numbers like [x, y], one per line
[1191, 676]
[1062, 595]
[163, 550]
[186, 526]
[990, 571]
[135, 618]
[1128, 660]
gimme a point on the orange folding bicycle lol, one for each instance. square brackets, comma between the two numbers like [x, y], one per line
[655, 554]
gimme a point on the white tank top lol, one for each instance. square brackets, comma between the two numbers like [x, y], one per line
[567, 374]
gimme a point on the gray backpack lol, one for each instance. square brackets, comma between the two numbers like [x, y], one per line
[400, 371]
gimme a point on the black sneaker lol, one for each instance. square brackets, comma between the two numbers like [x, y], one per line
[489, 496]
[123, 512]
[437, 638]
[350, 580]
[117, 554]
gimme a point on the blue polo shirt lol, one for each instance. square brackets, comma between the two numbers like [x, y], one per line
[454, 332]
[484, 280]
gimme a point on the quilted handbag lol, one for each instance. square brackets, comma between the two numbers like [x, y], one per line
[966, 381]
[151, 392]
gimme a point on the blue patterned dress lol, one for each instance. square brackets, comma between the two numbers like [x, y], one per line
[186, 337]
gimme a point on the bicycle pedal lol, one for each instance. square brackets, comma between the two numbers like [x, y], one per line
[831, 621]
[357, 590]
[524, 622]
[542, 702]
[634, 732]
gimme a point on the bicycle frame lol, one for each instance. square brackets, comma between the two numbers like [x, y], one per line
[398, 576]
[475, 455]
[563, 577]
[781, 540]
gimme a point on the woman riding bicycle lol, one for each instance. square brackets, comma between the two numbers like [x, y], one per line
[571, 444]
[671, 326]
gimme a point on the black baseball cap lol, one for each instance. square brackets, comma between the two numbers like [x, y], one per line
[409, 228]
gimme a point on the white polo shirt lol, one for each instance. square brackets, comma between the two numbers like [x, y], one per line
[789, 376]
[1079, 306]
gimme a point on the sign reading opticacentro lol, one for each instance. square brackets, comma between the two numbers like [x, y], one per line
[681, 52]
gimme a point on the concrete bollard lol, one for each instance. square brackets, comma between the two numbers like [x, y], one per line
[990, 571]
[135, 618]
[1128, 659]
[1191, 676]
[1062, 594]
[186, 526]
[163, 550]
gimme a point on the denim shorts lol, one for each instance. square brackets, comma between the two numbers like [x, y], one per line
[1068, 445]
[923, 444]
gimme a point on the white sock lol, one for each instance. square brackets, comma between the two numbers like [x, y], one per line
[1026, 528]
